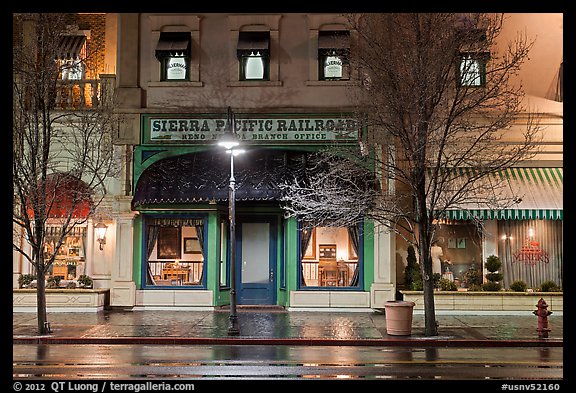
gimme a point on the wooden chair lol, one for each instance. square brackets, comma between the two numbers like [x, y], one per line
[328, 273]
[343, 274]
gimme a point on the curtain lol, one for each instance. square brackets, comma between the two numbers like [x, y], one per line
[531, 251]
[151, 237]
[354, 235]
[200, 235]
[305, 236]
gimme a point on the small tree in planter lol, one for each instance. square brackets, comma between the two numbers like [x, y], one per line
[492, 265]
[412, 275]
[473, 279]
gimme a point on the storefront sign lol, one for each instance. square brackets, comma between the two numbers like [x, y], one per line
[250, 130]
[530, 253]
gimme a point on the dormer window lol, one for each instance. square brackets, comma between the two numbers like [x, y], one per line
[253, 53]
[333, 55]
[173, 52]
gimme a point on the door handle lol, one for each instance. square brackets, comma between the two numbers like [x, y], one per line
[271, 275]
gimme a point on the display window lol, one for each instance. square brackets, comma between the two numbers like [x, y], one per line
[531, 251]
[70, 259]
[457, 249]
[175, 252]
[330, 257]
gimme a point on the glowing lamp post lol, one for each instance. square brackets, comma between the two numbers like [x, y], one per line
[230, 142]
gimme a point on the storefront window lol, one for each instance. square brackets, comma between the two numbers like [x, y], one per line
[69, 263]
[175, 251]
[531, 251]
[457, 249]
[330, 257]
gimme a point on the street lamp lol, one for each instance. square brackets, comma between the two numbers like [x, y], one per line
[100, 228]
[230, 142]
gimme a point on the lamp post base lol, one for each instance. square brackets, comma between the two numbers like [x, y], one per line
[233, 328]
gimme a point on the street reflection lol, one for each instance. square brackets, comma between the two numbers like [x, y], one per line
[283, 362]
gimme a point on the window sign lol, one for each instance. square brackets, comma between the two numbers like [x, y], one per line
[333, 67]
[176, 68]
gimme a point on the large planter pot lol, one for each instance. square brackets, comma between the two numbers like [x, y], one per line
[399, 317]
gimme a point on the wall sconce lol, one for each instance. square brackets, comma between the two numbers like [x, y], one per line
[101, 233]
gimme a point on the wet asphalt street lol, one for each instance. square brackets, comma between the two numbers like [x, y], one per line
[103, 362]
[283, 345]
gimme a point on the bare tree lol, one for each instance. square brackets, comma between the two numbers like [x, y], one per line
[61, 158]
[435, 125]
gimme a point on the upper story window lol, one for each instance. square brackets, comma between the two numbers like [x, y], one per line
[253, 53]
[472, 70]
[71, 55]
[173, 52]
[333, 55]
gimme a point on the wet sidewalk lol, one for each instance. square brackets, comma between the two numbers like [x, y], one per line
[282, 327]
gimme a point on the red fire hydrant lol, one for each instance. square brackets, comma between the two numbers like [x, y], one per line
[542, 313]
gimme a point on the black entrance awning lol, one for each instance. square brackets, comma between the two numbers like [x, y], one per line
[204, 177]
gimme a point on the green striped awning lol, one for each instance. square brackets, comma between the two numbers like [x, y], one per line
[541, 192]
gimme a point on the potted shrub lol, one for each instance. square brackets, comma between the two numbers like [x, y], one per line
[519, 286]
[447, 285]
[25, 280]
[85, 281]
[492, 265]
[549, 286]
[53, 282]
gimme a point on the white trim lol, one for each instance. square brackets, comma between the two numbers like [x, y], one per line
[172, 308]
[331, 309]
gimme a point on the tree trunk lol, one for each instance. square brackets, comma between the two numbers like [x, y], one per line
[430, 326]
[41, 297]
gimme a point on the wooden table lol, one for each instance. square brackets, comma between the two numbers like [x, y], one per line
[176, 273]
